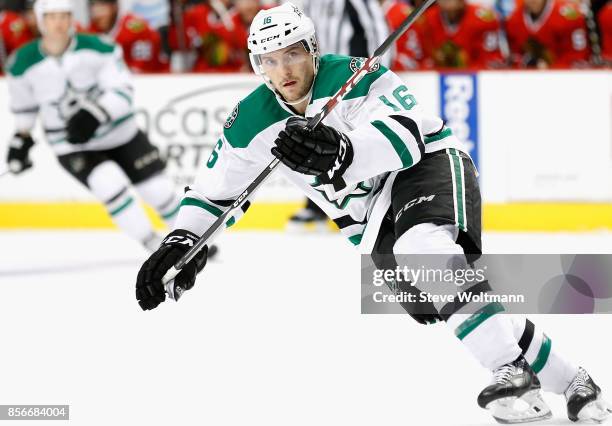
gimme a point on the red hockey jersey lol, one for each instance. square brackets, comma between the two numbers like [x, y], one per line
[556, 39]
[604, 19]
[13, 33]
[473, 42]
[408, 52]
[140, 43]
[220, 42]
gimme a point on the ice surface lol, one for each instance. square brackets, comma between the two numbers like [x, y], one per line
[270, 335]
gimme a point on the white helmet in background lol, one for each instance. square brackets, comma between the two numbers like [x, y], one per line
[279, 27]
[48, 6]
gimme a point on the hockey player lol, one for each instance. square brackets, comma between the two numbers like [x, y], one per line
[604, 19]
[548, 34]
[369, 158]
[217, 35]
[140, 43]
[408, 53]
[14, 32]
[81, 89]
[458, 34]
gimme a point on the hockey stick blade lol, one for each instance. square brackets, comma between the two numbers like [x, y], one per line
[168, 278]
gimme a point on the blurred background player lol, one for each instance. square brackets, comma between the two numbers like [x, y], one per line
[14, 33]
[140, 43]
[548, 34]
[344, 27]
[604, 22]
[457, 34]
[81, 89]
[408, 54]
[215, 34]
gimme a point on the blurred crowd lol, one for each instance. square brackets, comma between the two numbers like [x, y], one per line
[211, 35]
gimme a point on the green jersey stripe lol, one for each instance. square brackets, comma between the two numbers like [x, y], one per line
[480, 316]
[438, 136]
[188, 201]
[93, 42]
[335, 70]
[400, 148]
[240, 128]
[25, 57]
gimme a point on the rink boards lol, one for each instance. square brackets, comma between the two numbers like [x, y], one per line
[542, 142]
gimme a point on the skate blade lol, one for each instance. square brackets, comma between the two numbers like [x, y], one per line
[528, 408]
[314, 227]
[597, 411]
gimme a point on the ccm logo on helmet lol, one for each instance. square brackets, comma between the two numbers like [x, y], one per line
[269, 38]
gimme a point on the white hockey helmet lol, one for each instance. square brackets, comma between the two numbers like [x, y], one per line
[47, 6]
[278, 27]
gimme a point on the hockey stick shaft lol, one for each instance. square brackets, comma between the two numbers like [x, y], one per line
[312, 123]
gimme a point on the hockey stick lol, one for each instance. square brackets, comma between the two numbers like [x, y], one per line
[312, 123]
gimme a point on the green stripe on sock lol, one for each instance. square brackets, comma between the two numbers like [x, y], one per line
[121, 207]
[459, 184]
[443, 134]
[480, 316]
[543, 354]
[356, 239]
[400, 147]
[201, 204]
[172, 213]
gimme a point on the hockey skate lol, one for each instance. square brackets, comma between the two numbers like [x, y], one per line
[584, 401]
[308, 219]
[514, 394]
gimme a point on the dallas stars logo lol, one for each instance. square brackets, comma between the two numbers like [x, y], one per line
[357, 63]
[71, 99]
[361, 190]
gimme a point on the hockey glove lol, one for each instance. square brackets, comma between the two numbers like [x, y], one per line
[18, 158]
[150, 290]
[84, 123]
[323, 152]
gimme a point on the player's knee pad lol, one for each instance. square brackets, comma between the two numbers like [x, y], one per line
[428, 238]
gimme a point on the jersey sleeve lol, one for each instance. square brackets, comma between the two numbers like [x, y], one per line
[114, 79]
[391, 136]
[226, 174]
[22, 102]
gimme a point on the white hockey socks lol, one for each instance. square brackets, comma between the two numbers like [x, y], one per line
[159, 192]
[110, 185]
[488, 336]
[554, 372]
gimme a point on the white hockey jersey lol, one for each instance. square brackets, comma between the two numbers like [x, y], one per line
[53, 88]
[383, 120]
